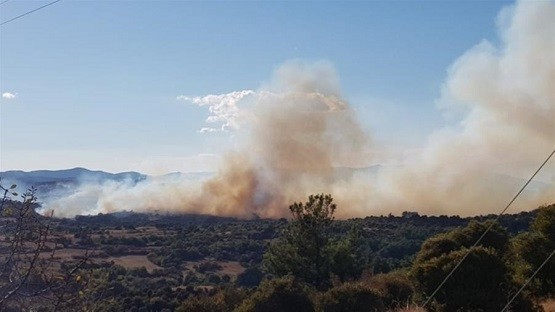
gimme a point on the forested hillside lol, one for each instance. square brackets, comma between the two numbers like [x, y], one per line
[129, 261]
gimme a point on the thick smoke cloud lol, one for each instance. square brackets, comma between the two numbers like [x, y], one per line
[507, 98]
[300, 130]
[297, 130]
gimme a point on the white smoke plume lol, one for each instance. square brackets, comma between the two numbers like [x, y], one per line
[298, 129]
[223, 108]
[507, 95]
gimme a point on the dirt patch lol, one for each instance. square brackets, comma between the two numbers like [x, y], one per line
[231, 268]
[139, 232]
[66, 254]
[549, 305]
[134, 261]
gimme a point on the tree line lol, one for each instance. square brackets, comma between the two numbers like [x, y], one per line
[310, 262]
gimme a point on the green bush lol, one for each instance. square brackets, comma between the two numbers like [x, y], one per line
[351, 297]
[530, 249]
[545, 222]
[280, 295]
[251, 277]
[202, 304]
[395, 288]
[479, 283]
[497, 238]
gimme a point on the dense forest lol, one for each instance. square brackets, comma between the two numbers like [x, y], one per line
[130, 261]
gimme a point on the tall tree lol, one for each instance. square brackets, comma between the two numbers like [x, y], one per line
[307, 248]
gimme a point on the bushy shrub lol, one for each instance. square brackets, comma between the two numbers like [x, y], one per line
[251, 277]
[202, 304]
[279, 295]
[530, 249]
[395, 288]
[545, 222]
[497, 239]
[479, 283]
[351, 297]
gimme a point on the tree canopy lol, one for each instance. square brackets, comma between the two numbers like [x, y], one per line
[307, 249]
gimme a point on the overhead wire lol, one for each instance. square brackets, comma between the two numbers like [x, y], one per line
[29, 12]
[528, 281]
[487, 229]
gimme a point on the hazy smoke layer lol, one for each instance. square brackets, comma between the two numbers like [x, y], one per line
[507, 98]
[298, 129]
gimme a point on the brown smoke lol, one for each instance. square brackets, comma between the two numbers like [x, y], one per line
[506, 98]
[299, 130]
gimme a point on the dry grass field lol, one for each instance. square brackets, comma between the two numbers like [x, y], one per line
[231, 268]
[133, 261]
[549, 305]
[61, 254]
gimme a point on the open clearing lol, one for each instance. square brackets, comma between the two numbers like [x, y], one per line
[134, 261]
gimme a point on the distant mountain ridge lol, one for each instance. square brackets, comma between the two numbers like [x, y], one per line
[74, 175]
[78, 175]
[55, 184]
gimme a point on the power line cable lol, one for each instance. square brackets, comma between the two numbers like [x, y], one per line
[4, 2]
[487, 229]
[29, 12]
[528, 281]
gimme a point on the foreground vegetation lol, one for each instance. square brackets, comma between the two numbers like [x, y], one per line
[154, 262]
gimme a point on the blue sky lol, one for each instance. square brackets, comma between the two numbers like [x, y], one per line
[95, 83]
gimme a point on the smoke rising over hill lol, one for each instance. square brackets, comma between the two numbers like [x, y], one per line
[507, 98]
[297, 128]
